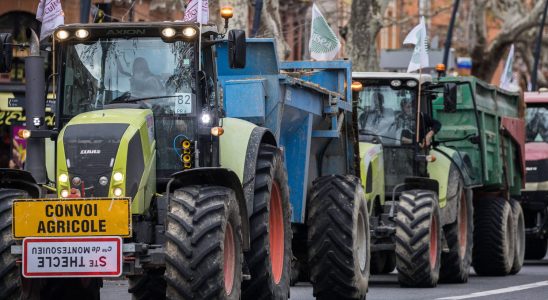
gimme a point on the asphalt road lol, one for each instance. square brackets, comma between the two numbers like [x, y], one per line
[530, 284]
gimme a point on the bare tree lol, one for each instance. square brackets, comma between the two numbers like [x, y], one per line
[516, 17]
[271, 26]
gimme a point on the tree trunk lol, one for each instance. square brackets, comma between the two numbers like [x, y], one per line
[271, 26]
[364, 26]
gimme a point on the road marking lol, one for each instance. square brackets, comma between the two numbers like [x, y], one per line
[498, 291]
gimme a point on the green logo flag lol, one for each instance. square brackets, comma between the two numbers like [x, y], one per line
[419, 37]
[324, 44]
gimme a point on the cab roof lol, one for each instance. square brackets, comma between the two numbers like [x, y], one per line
[392, 75]
[536, 97]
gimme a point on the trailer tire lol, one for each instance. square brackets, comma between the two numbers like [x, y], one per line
[269, 259]
[493, 252]
[519, 237]
[150, 285]
[10, 283]
[418, 239]
[203, 244]
[455, 264]
[339, 241]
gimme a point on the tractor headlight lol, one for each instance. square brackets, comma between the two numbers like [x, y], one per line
[117, 192]
[63, 178]
[64, 193]
[118, 176]
[168, 32]
[411, 83]
[103, 180]
[395, 83]
[206, 118]
[62, 34]
[189, 32]
[81, 33]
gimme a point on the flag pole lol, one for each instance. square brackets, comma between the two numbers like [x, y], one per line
[418, 105]
[200, 7]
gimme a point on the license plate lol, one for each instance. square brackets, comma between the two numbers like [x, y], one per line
[74, 217]
[72, 257]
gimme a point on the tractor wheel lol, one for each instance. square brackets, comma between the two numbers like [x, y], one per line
[383, 262]
[269, 259]
[203, 244]
[10, 281]
[455, 264]
[418, 239]
[150, 285]
[493, 252]
[535, 248]
[519, 234]
[338, 235]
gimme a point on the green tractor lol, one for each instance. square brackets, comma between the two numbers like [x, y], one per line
[439, 206]
[149, 179]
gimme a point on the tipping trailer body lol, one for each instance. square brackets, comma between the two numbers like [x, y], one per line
[309, 113]
[493, 159]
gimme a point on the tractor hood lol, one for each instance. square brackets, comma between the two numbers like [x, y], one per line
[536, 151]
[95, 145]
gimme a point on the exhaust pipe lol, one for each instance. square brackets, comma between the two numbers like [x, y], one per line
[35, 110]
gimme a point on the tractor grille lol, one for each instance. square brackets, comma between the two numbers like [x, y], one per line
[90, 150]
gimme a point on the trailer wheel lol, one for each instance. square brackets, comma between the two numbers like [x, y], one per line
[269, 259]
[338, 235]
[493, 252]
[535, 248]
[203, 244]
[418, 239]
[150, 285]
[455, 264]
[10, 281]
[519, 234]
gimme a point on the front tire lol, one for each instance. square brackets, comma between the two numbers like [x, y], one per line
[203, 244]
[269, 259]
[338, 235]
[10, 282]
[418, 239]
[493, 253]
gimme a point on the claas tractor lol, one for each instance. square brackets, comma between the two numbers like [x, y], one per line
[190, 162]
[534, 200]
[150, 179]
[441, 167]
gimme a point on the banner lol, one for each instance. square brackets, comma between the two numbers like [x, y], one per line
[193, 14]
[51, 14]
[507, 76]
[324, 44]
[419, 37]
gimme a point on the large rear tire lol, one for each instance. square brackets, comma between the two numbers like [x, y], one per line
[203, 244]
[150, 285]
[269, 259]
[519, 237]
[10, 281]
[455, 264]
[493, 252]
[418, 239]
[338, 235]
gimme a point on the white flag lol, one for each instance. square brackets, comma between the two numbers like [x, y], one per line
[419, 38]
[324, 44]
[507, 76]
[51, 14]
[193, 14]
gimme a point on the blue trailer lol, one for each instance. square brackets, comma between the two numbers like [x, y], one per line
[234, 167]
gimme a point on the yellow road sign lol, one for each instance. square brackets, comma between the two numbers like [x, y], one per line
[71, 217]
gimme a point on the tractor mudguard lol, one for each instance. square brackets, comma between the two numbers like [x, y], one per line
[239, 147]
[372, 162]
[215, 176]
[19, 179]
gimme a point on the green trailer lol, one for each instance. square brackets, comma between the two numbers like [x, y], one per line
[484, 133]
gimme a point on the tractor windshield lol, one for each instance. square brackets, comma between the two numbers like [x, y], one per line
[117, 70]
[386, 114]
[537, 124]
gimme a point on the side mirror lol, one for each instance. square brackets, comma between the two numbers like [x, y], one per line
[236, 49]
[6, 52]
[450, 97]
